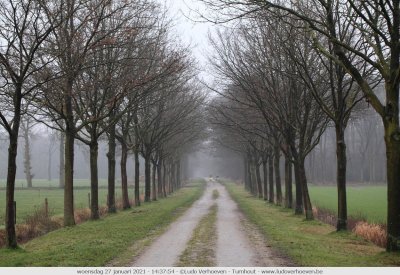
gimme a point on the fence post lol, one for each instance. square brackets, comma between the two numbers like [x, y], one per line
[46, 207]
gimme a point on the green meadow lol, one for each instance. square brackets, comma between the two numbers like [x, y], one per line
[29, 199]
[367, 202]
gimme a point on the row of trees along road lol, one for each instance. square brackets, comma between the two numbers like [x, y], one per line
[301, 65]
[98, 70]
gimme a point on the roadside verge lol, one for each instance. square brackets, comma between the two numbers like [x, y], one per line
[309, 243]
[97, 243]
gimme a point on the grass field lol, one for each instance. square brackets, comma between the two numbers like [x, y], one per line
[29, 199]
[368, 202]
[97, 243]
[309, 243]
[44, 183]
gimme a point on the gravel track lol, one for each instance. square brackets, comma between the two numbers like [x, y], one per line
[166, 249]
[239, 243]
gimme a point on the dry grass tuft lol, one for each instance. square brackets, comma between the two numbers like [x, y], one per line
[375, 233]
[81, 215]
[40, 223]
[325, 216]
[102, 211]
[119, 204]
[36, 224]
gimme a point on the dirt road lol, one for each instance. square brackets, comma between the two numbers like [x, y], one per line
[238, 242]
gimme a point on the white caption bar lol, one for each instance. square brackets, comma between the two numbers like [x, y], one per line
[199, 271]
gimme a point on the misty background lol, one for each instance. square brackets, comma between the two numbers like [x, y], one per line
[365, 146]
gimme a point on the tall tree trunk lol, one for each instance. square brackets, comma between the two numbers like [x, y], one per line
[147, 178]
[245, 175]
[185, 168]
[124, 176]
[288, 183]
[160, 179]
[27, 156]
[62, 162]
[392, 141]
[153, 179]
[250, 178]
[94, 182]
[137, 178]
[11, 172]
[259, 184]
[164, 174]
[277, 176]
[298, 210]
[341, 178]
[305, 193]
[111, 170]
[178, 174]
[172, 177]
[265, 173]
[271, 194]
[69, 219]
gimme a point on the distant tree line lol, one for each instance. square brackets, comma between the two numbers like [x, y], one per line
[365, 153]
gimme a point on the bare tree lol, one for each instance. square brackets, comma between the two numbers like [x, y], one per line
[138, 32]
[26, 126]
[81, 31]
[23, 32]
